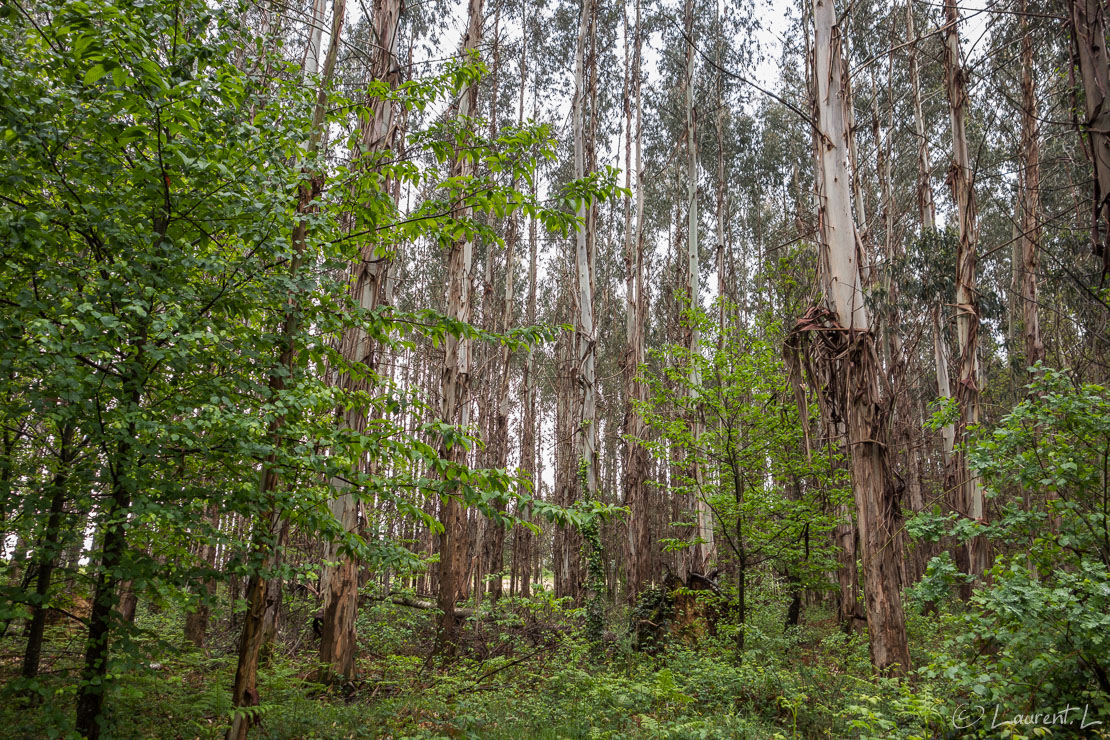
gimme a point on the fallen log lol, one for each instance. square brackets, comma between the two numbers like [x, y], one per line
[416, 603]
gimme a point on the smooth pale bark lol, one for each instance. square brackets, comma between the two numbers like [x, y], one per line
[856, 372]
[584, 333]
[705, 551]
[1031, 200]
[313, 53]
[969, 500]
[840, 274]
[261, 598]
[924, 168]
[1088, 27]
[455, 380]
[640, 557]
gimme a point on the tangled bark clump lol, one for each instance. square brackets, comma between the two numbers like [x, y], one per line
[843, 367]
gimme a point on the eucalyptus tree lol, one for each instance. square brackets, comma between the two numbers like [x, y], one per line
[455, 398]
[1088, 30]
[843, 362]
[638, 556]
[381, 131]
[271, 530]
[585, 244]
[969, 498]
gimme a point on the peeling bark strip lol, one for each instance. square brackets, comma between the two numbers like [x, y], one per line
[1088, 31]
[455, 379]
[844, 364]
[961, 178]
[370, 288]
[837, 346]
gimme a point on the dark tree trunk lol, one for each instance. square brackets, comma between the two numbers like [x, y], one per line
[48, 553]
[90, 692]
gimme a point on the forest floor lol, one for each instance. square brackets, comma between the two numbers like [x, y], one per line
[523, 671]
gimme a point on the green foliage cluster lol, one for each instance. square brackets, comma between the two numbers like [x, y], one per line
[174, 283]
[556, 686]
[1036, 635]
[729, 420]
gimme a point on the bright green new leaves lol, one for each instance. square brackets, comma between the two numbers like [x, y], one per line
[1037, 632]
[726, 420]
[148, 199]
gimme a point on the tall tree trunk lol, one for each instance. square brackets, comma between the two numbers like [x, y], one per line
[927, 209]
[523, 540]
[961, 178]
[640, 558]
[1031, 199]
[495, 536]
[371, 288]
[1088, 29]
[901, 402]
[722, 192]
[851, 368]
[705, 550]
[925, 202]
[455, 381]
[584, 334]
[268, 536]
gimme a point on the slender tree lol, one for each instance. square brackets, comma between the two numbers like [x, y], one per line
[585, 336]
[961, 177]
[1030, 197]
[370, 285]
[270, 533]
[455, 377]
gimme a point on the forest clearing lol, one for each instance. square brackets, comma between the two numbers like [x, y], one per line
[554, 369]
